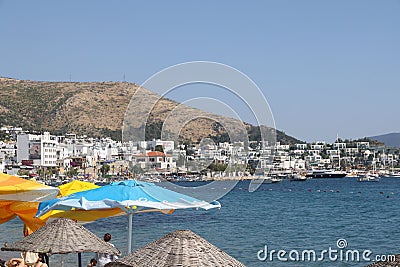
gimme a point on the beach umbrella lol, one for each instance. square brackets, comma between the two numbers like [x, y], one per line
[19, 197]
[179, 248]
[387, 263]
[74, 187]
[129, 196]
[13, 188]
[26, 210]
[62, 236]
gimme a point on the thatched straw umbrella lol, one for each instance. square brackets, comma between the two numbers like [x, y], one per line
[395, 263]
[62, 236]
[179, 248]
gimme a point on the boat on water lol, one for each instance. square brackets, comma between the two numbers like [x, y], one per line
[275, 179]
[394, 174]
[325, 174]
[298, 178]
[261, 179]
[262, 176]
[369, 177]
[354, 174]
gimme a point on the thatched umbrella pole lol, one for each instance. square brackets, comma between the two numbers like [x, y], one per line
[80, 259]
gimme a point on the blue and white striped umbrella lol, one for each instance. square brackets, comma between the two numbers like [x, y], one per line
[131, 196]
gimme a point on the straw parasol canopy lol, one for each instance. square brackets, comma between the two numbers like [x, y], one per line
[62, 236]
[179, 248]
[387, 263]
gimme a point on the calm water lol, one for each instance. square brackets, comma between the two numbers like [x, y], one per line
[287, 215]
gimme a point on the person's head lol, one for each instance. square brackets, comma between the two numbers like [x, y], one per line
[15, 263]
[27, 231]
[107, 237]
[93, 262]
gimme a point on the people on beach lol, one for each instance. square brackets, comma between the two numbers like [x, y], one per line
[93, 262]
[30, 258]
[16, 262]
[104, 258]
[39, 262]
[44, 258]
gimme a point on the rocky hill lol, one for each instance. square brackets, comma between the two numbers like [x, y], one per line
[98, 109]
[390, 139]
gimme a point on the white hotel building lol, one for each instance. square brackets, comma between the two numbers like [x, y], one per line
[41, 150]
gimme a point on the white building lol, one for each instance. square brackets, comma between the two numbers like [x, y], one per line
[278, 146]
[297, 164]
[332, 152]
[363, 145]
[11, 129]
[2, 167]
[166, 145]
[317, 146]
[41, 150]
[352, 150]
[155, 160]
[301, 146]
[7, 150]
[151, 145]
[339, 145]
[313, 158]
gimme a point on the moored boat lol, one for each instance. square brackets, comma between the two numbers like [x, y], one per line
[394, 174]
[369, 177]
[298, 178]
[275, 179]
[325, 174]
[261, 179]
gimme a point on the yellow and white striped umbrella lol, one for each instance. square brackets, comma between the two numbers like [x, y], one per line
[13, 188]
[20, 197]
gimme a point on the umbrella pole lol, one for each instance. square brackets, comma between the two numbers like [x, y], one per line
[130, 217]
[80, 259]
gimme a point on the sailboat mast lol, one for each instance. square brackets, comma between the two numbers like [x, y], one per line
[338, 150]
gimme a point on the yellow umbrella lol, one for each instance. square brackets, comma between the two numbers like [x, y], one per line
[14, 188]
[20, 197]
[74, 187]
[5, 213]
[27, 210]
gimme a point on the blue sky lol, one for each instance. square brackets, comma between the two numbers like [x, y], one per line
[325, 67]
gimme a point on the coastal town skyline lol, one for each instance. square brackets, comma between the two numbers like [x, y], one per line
[69, 151]
[325, 68]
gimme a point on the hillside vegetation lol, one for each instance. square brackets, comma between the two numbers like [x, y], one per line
[98, 109]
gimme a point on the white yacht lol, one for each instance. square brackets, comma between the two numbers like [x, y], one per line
[394, 174]
[369, 177]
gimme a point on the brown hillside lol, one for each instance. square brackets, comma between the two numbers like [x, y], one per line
[98, 109]
[91, 108]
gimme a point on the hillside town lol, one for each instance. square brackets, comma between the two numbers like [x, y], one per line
[56, 158]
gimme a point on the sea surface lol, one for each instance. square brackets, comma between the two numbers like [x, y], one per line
[289, 216]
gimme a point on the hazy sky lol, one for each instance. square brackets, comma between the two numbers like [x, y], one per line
[325, 67]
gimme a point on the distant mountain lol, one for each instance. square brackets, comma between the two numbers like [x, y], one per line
[391, 139]
[98, 108]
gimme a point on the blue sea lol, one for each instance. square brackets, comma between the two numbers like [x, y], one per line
[288, 216]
